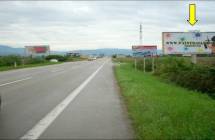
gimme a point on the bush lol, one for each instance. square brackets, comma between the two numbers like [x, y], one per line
[184, 73]
[198, 78]
[168, 65]
[10, 60]
[36, 60]
[181, 71]
[114, 56]
[148, 64]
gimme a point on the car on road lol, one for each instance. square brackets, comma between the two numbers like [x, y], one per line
[91, 58]
[53, 60]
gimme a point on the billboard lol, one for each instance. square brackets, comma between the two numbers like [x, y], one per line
[144, 50]
[37, 50]
[188, 42]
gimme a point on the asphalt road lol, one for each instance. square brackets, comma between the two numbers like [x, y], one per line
[78, 100]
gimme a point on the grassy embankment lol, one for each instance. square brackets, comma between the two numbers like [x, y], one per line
[6, 68]
[162, 110]
[7, 62]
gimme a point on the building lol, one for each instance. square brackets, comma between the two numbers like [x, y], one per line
[74, 54]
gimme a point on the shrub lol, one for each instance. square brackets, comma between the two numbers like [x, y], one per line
[148, 64]
[10, 60]
[36, 60]
[114, 56]
[184, 73]
[181, 71]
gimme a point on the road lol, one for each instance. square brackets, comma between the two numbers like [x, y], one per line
[74, 100]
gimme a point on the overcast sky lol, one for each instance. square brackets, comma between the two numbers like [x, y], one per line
[72, 25]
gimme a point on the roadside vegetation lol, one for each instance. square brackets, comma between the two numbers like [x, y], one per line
[11, 62]
[164, 110]
[180, 70]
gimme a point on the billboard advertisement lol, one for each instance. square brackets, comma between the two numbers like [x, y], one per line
[37, 50]
[144, 50]
[188, 42]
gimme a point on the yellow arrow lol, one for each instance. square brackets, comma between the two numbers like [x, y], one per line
[192, 14]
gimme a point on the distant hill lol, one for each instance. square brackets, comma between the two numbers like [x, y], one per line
[106, 52]
[109, 52]
[7, 50]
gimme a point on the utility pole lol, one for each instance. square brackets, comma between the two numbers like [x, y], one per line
[141, 42]
[141, 37]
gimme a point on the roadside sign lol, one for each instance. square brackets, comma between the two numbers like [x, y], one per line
[188, 42]
[144, 50]
[37, 50]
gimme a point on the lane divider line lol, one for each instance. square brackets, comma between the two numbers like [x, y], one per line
[27, 78]
[45, 122]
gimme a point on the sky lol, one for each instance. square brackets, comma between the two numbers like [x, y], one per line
[75, 25]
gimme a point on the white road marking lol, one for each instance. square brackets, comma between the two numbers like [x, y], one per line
[43, 124]
[27, 78]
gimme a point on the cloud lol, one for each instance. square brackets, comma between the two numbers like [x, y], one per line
[71, 25]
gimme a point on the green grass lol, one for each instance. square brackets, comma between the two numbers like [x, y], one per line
[6, 68]
[165, 111]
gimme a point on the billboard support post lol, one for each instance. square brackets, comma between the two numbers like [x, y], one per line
[144, 64]
[135, 64]
[15, 65]
[194, 58]
[153, 62]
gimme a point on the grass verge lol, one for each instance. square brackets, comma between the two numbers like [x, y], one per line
[161, 110]
[6, 68]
